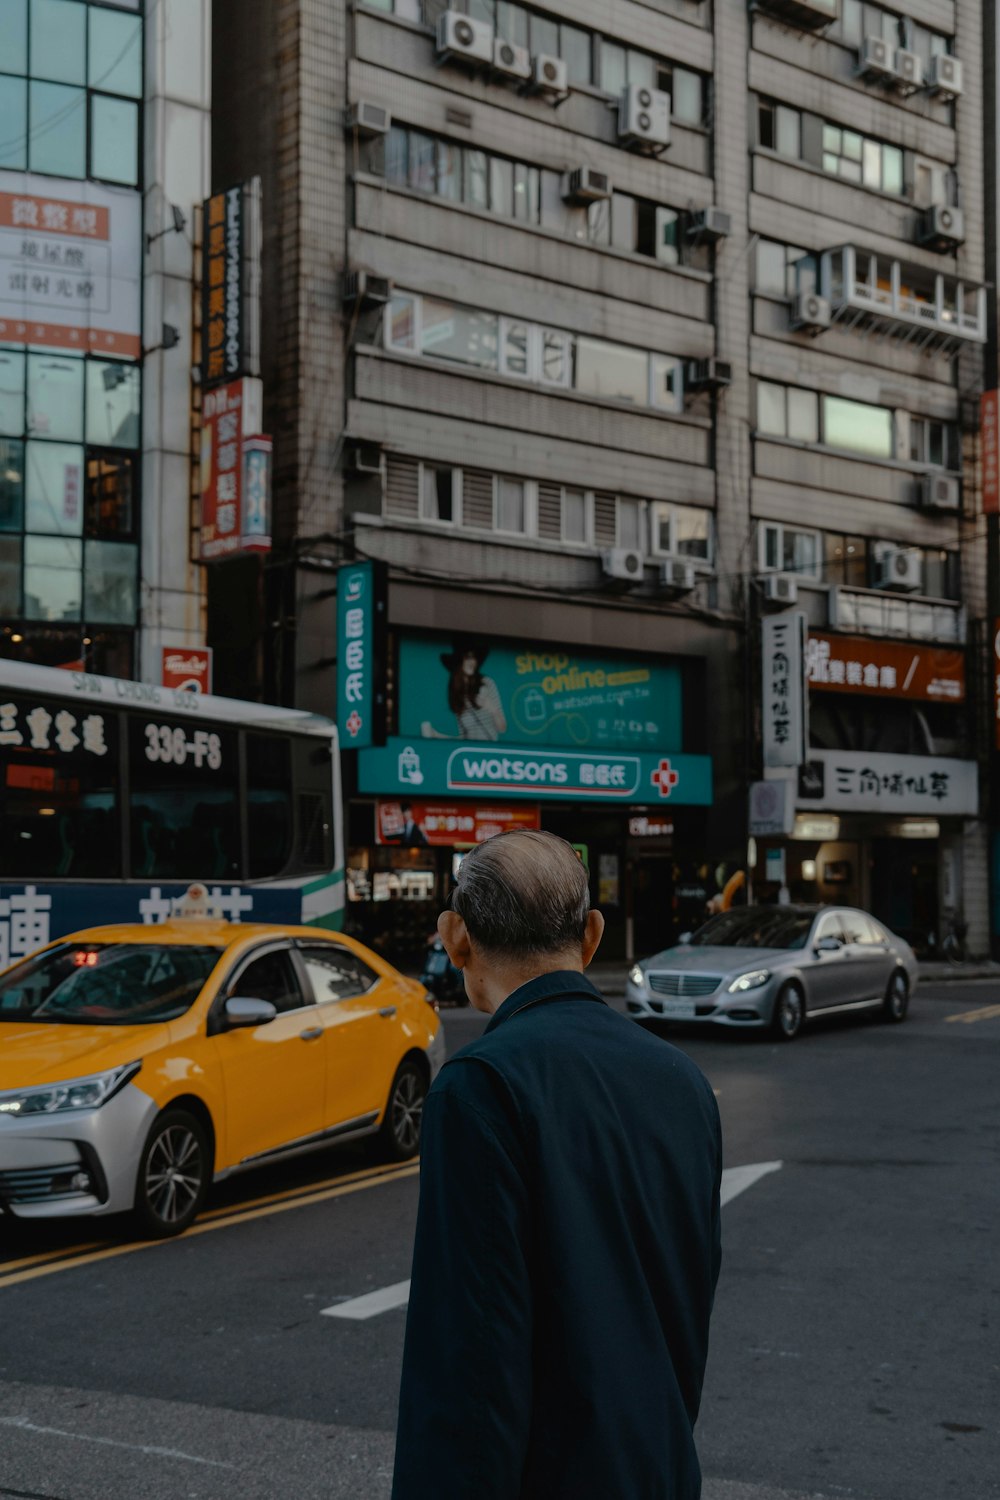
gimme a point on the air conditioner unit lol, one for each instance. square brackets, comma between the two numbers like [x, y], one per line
[945, 77]
[511, 61]
[584, 185]
[644, 117]
[710, 374]
[709, 224]
[780, 588]
[909, 72]
[463, 39]
[678, 577]
[900, 569]
[876, 60]
[808, 14]
[369, 119]
[366, 290]
[625, 564]
[939, 492]
[811, 313]
[942, 226]
[549, 76]
[364, 458]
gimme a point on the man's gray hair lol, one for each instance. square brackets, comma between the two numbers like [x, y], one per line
[523, 893]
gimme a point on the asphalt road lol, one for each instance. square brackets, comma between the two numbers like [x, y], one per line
[854, 1344]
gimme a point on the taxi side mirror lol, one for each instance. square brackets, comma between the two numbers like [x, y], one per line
[242, 1011]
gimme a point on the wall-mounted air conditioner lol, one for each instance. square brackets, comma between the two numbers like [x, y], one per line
[369, 119]
[549, 77]
[710, 374]
[624, 564]
[939, 492]
[942, 226]
[944, 77]
[366, 290]
[461, 39]
[877, 60]
[584, 185]
[644, 117]
[909, 72]
[709, 224]
[678, 577]
[900, 569]
[780, 588]
[811, 313]
[511, 61]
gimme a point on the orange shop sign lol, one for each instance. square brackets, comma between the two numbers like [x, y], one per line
[448, 824]
[187, 668]
[235, 472]
[989, 423]
[884, 669]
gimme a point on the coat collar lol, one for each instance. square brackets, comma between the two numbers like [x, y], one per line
[563, 983]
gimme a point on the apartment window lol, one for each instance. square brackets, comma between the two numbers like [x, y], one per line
[786, 549]
[857, 428]
[511, 506]
[440, 494]
[808, 417]
[577, 530]
[858, 20]
[630, 529]
[785, 411]
[941, 574]
[842, 153]
[461, 334]
[846, 560]
[612, 370]
[679, 531]
[935, 445]
[784, 270]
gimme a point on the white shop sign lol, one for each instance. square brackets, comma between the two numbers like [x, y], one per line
[855, 781]
[783, 694]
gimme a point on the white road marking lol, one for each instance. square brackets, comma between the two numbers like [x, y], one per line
[736, 1180]
[25, 1424]
[371, 1304]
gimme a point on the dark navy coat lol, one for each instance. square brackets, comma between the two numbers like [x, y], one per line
[566, 1256]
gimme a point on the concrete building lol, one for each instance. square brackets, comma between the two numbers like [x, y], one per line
[614, 330]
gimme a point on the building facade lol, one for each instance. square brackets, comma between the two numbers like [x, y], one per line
[104, 132]
[614, 331]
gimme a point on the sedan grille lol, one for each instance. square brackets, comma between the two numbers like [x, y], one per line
[684, 983]
[39, 1184]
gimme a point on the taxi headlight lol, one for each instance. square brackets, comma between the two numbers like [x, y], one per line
[637, 977]
[752, 981]
[76, 1093]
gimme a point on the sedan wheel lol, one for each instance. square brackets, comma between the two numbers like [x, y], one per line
[897, 999]
[789, 1013]
[174, 1175]
[399, 1136]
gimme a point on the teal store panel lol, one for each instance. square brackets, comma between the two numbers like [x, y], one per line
[433, 767]
[457, 689]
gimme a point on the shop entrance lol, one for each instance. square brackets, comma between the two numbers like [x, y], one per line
[904, 887]
[653, 925]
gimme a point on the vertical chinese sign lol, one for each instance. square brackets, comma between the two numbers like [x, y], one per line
[989, 422]
[230, 339]
[361, 618]
[783, 704]
[996, 682]
[235, 473]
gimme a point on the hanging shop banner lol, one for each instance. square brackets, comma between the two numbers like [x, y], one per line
[230, 284]
[996, 681]
[784, 697]
[235, 472]
[447, 824]
[70, 265]
[361, 617]
[433, 768]
[884, 669]
[530, 694]
[989, 422]
[856, 781]
[187, 669]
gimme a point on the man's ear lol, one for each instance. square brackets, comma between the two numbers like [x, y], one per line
[453, 933]
[592, 934]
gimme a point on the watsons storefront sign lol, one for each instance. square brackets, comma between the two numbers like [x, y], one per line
[432, 769]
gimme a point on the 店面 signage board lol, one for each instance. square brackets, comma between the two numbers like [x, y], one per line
[447, 824]
[783, 694]
[884, 669]
[361, 617]
[231, 284]
[859, 781]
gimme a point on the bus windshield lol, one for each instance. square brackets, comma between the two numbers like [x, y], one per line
[112, 984]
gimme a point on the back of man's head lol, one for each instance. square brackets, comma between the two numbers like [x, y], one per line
[523, 895]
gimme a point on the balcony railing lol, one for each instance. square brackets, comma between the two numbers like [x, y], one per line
[870, 612]
[909, 304]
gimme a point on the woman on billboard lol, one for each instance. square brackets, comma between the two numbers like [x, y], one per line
[472, 698]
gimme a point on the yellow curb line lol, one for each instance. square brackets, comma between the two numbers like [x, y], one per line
[985, 1013]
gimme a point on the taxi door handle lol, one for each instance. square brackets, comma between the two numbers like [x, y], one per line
[387, 1012]
[312, 1035]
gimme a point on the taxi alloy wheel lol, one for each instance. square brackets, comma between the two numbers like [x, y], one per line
[400, 1132]
[173, 1175]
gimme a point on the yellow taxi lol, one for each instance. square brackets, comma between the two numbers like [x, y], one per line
[139, 1064]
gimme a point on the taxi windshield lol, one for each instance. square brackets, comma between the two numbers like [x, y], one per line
[106, 984]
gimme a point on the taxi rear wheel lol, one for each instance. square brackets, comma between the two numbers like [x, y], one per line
[174, 1174]
[399, 1134]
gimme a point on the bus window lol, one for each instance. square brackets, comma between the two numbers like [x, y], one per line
[269, 805]
[314, 831]
[183, 801]
[59, 815]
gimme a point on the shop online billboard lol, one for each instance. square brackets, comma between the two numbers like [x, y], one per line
[468, 689]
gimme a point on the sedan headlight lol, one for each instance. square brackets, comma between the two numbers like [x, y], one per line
[76, 1093]
[637, 977]
[751, 981]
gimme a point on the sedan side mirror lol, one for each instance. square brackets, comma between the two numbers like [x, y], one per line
[829, 945]
[241, 1011]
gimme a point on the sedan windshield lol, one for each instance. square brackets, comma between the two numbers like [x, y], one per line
[106, 984]
[756, 927]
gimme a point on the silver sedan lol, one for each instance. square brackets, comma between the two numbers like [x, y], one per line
[777, 967]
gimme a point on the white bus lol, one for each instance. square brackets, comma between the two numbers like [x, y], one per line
[115, 796]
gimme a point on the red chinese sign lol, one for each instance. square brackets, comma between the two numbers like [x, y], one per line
[235, 473]
[447, 824]
[996, 680]
[989, 421]
[188, 668]
[884, 669]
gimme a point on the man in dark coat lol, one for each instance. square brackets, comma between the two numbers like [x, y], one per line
[567, 1243]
